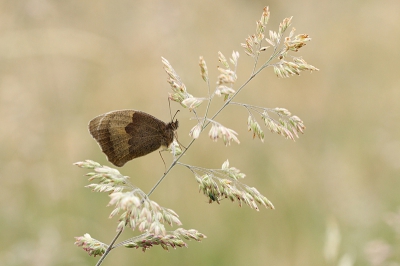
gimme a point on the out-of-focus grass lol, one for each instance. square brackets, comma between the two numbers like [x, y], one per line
[63, 63]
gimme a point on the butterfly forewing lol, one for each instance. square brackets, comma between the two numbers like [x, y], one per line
[127, 134]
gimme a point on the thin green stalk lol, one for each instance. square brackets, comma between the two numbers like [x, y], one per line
[109, 247]
[209, 101]
[169, 168]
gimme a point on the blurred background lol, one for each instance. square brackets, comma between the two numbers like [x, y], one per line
[335, 190]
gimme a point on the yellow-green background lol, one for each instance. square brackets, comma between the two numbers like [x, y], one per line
[64, 62]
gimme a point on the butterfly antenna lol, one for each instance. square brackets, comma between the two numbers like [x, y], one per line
[177, 111]
[169, 104]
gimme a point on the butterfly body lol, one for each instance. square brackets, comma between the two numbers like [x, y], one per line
[124, 135]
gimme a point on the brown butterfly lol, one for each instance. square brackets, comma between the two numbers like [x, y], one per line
[124, 135]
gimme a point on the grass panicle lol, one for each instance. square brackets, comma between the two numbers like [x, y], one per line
[134, 208]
